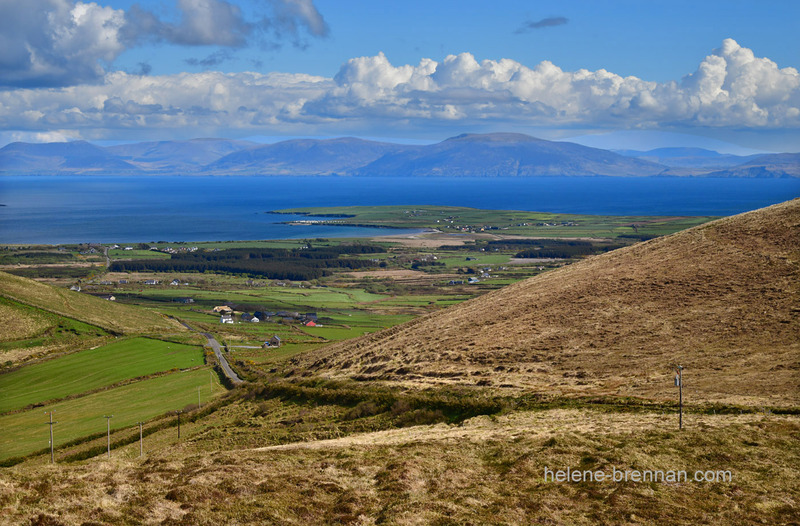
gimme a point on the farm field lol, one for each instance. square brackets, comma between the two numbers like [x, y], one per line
[520, 223]
[26, 432]
[91, 369]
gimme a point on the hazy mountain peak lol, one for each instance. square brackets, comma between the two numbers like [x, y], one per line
[506, 137]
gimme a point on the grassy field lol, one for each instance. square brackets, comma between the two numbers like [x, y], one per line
[278, 298]
[91, 369]
[26, 431]
[458, 219]
[137, 254]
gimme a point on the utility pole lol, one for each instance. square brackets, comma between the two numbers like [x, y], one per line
[179, 423]
[141, 449]
[52, 458]
[108, 432]
[199, 405]
[679, 385]
[211, 382]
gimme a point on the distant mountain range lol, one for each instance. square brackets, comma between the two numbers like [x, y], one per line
[488, 155]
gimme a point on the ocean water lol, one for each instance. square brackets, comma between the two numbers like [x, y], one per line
[72, 209]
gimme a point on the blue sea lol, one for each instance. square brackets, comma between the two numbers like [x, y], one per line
[74, 209]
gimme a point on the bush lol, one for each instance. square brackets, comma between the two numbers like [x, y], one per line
[363, 409]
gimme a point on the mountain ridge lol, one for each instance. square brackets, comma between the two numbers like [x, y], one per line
[475, 155]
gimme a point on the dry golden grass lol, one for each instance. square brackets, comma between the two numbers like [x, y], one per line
[534, 425]
[722, 299]
[486, 472]
[108, 315]
[16, 324]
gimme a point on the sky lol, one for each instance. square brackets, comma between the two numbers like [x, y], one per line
[612, 74]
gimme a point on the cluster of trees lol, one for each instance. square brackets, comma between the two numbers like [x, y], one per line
[53, 272]
[271, 263]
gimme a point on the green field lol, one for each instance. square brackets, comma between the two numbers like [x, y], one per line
[513, 222]
[136, 254]
[274, 298]
[87, 370]
[27, 431]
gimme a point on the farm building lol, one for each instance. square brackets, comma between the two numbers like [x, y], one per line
[223, 309]
[226, 318]
[275, 341]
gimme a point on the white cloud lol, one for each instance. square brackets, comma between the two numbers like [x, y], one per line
[53, 43]
[57, 42]
[731, 88]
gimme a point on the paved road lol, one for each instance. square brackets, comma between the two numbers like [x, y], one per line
[221, 357]
[232, 376]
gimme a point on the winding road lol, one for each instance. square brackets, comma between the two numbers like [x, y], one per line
[226, 368]
[222, 361]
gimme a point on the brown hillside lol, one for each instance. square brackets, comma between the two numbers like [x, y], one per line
[111, 316]
[722, 299]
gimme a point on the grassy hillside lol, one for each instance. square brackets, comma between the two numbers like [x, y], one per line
[27, 332]
[105, 314]
[488, 470]
[720, 299]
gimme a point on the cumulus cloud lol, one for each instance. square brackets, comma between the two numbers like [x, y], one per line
[53, 43]
[544, 22]
[731, 88]
[57, 42]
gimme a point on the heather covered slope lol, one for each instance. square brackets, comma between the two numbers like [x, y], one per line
[722, 299]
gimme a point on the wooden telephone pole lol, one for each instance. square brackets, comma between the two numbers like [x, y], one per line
[141, 446]
[679, 385]
[108, 432]
[52, 457]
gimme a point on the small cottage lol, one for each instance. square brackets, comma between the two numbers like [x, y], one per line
[275, 341]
